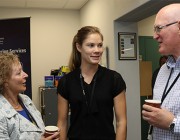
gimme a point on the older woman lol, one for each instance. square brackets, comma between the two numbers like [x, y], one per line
[19, 118]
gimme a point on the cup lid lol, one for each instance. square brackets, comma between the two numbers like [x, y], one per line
[153, 101]
[51, 128]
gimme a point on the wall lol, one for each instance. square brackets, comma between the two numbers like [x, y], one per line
[99, 13]
[51, 37]
[130, 71]
[145, 26]
[102, 13]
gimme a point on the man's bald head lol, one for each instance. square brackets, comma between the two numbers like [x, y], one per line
[170, 12]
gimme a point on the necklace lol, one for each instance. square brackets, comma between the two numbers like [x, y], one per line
[17, 106]
[83, 89]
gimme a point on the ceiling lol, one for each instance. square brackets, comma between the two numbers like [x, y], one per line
[148, 9]
[44, 4]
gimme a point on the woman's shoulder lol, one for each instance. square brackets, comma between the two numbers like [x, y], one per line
[72, 74]
[108, 71]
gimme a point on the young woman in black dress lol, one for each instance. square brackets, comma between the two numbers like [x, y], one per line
[92, 92]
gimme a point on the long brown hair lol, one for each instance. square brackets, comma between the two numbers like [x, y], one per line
[75, 59]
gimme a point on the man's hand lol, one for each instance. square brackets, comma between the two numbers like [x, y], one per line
[158, 117]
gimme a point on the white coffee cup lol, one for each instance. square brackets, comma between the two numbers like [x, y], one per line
[50, 130]
[154, 103]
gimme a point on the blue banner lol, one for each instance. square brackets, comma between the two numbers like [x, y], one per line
[15, 37]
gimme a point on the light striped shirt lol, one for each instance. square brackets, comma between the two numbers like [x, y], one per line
[172, 100]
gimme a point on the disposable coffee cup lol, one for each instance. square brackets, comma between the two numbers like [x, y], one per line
[154, 103]
[50, 130]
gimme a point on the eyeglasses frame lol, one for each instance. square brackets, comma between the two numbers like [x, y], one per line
[158, 28]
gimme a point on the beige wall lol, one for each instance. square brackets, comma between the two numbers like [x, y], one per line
[145, 26]
[52, 32]
[99, 13]
[51, 37]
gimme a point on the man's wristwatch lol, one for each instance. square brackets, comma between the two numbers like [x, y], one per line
[172, 125]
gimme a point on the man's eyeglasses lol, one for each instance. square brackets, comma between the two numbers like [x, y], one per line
[158, 28]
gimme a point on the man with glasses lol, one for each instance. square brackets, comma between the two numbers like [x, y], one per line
[165, 121]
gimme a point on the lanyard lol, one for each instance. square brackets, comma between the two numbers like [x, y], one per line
[165, 93]
[92, 92]
[28, 113]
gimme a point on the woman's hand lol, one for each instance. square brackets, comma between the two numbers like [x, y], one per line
[55, 136]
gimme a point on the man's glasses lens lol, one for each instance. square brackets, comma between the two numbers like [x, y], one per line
[157, 29]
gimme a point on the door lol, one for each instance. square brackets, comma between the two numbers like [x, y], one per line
[148, 49]
[49, 105]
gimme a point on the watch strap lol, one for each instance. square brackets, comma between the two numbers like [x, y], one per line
[172, 125]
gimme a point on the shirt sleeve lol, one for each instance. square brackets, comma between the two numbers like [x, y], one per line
[3, 129]
[177, 126]
[61, 88]
[119, 84]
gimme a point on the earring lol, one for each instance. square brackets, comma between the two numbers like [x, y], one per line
[6, 85]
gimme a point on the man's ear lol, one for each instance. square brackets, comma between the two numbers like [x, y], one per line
[179, 24]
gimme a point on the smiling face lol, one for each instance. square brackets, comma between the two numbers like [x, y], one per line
[17, 81]
[91, 49]
[169, 36]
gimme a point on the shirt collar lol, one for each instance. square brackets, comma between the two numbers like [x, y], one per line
[172, 63]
